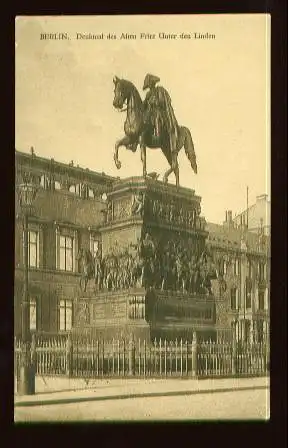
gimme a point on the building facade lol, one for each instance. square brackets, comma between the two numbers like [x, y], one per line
[69, 199]
[243, 259]
[257, 216]
[69, 213]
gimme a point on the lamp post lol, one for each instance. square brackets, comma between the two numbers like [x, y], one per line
[26, 192]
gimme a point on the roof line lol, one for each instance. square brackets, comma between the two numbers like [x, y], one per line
[66, 165]
[245, 211]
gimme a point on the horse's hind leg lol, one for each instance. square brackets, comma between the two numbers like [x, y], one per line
[143, 159]
[176, 172]
[175, 167]
[166, 175]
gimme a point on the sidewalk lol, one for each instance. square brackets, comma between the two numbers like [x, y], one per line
[116, 389]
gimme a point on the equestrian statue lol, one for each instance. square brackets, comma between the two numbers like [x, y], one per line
[151, 123]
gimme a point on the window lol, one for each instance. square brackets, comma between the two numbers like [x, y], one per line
[261, 271]
[66, 253]
[33, 249]
[247, 331]
[249, 269]
[236, 267]
[248, 293]
[65, 315]
[260, 332]
[248, 299]
[261, 300]
[33, 314]
[233, 298]
[224, 267]
[66, 249]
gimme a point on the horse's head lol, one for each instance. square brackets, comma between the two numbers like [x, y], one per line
[122, 91]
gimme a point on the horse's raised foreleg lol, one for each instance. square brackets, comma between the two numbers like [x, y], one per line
[122, 142]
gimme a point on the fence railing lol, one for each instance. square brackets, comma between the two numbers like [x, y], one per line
[88, 358]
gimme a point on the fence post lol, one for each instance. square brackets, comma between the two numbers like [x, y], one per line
[33, 356]
[69, 356]
[131, 356]
[234, 357]
[194, 355]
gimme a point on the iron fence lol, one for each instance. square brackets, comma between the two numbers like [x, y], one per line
[89, 358]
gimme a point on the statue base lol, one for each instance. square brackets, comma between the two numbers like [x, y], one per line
[145, 213]
[146, 315]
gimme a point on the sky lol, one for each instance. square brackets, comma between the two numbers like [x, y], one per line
[220, 90]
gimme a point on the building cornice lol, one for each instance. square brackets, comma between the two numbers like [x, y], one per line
[43, 166]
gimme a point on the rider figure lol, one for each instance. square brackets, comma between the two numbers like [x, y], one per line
[158, 110]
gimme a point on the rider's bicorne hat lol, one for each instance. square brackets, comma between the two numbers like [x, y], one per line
[150, 80]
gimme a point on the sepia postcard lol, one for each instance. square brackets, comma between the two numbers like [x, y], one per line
[142, 218]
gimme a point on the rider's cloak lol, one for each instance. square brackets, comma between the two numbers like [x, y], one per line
[159, 109]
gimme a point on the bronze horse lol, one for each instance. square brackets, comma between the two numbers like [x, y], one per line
[136, 131]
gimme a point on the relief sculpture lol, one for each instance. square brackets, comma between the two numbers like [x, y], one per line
[172, 212]
[163, 264]
[138, 204]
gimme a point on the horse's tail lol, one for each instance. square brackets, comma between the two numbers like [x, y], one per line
[189, 148]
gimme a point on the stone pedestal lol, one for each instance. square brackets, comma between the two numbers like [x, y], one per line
[151, 231]
[137, 205]
[114, 314]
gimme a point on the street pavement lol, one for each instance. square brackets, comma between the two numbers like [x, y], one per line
[130, 400]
